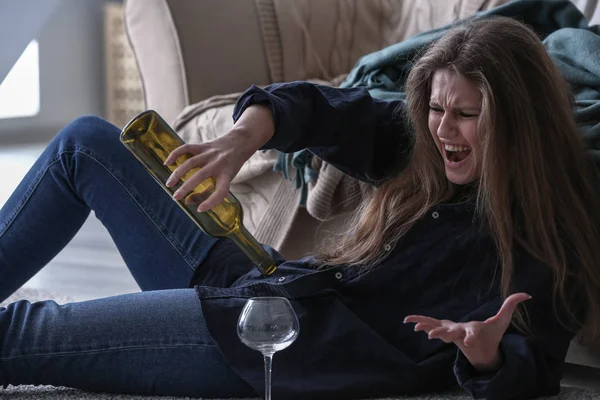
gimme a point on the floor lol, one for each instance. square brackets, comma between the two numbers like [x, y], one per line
[91, 267]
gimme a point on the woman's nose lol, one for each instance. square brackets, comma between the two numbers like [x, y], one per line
[447, 128]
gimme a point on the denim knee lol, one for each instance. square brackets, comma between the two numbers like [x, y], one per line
[89, 132]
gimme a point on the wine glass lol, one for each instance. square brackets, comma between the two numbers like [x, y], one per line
[268, 324]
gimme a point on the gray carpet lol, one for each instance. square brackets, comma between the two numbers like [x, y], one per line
[52, 393]
[49, 393]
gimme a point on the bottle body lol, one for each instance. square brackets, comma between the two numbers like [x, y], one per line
[150, 139]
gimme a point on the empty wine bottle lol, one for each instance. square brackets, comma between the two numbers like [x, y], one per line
[151, 140]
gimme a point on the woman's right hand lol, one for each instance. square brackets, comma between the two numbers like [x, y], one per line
[223, 157]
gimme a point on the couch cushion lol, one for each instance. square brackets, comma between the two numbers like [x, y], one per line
[322, 39]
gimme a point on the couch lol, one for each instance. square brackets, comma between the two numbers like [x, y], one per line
[196, 57]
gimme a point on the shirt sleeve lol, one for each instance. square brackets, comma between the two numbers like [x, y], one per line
[365, 138]
[528, 371]
[532, 364]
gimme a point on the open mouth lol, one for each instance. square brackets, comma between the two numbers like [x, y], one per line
[456, 154]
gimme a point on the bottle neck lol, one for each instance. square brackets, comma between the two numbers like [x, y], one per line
[257, 254]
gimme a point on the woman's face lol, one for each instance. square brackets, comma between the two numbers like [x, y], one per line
[454, 108]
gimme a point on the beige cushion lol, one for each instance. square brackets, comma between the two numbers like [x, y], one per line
[151, 31]
[323, 39]
[188, 50]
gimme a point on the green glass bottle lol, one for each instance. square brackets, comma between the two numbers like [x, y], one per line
[151, 140]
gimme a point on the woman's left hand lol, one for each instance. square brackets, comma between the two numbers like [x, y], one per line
[478, 341]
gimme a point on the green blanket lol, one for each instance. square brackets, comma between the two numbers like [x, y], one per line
[573, 45]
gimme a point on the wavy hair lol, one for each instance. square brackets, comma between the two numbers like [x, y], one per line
[536, 189]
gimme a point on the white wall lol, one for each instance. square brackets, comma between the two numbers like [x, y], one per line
[71, 72]
[17, 24]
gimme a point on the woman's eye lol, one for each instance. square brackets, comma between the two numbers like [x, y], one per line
[436, 109]
[465, 115]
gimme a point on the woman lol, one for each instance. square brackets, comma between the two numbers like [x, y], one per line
[490, 202]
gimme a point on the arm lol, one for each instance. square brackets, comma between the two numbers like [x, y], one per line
[531, 365]
[363, 137]
[494, 360]
[530, 368]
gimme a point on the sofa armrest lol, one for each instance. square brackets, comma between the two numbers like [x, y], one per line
[188, 50]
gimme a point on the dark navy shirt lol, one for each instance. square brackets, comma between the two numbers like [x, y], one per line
[352, 342]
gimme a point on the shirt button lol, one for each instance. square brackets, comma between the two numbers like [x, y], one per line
[387, 247]
[338, 275]
[435, 214]
[281, 279]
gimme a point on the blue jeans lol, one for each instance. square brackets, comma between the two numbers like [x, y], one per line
[153, 342]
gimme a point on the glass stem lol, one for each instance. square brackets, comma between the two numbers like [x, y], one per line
[268, 367]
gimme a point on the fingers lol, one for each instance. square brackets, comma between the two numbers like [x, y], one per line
[211, 193]
[194, 162]
[437, 332]
[422, 319]
[217, 197]
[206, 165]
[447, 331]
[181, 150]
[425, 327]
[504, 316]
[191, 183]
[448, 334]
[208, 160]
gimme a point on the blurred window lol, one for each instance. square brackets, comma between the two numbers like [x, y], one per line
[20, 90]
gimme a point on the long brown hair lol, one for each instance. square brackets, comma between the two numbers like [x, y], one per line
[536, 188]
